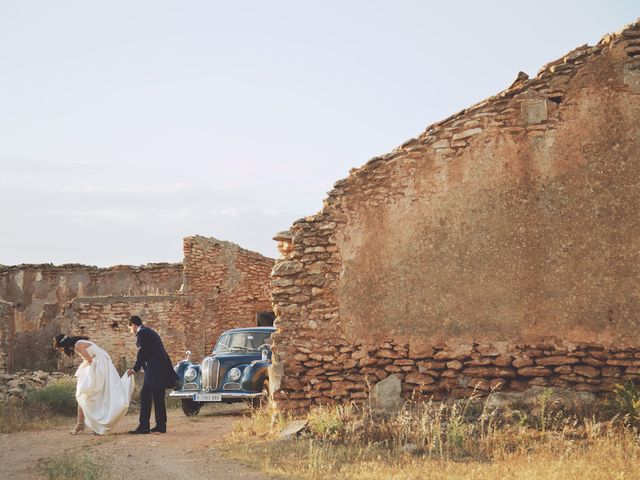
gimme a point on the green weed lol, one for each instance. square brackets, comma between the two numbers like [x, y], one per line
[59, 398]
[72, 467]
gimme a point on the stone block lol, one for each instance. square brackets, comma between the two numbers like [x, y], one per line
[489, 372]
[386, 396]
[557, 360]
[431, 365]
[419, 379]
[479, 361]
[479, 384]
[454, 365]
[534, 372]
[466, 134]
[420, 349]
[454, 351]
[342, 387]
[503, 360]
[404, 361]
[564, 369]
[287, 267]
[444, 143]
[594, 362]
[587, 371]
[386, 354]
[533, 111]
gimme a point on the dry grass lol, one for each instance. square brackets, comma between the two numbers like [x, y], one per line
[18, 418]
[440, 441]
[42, 409]
[72, 467]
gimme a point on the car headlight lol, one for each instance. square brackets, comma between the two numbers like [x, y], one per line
[190, 375]
[234, 374]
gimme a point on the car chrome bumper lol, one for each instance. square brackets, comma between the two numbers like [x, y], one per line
[226, 395]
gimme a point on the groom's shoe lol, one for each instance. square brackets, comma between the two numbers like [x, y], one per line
[140, 430]
[159, 429]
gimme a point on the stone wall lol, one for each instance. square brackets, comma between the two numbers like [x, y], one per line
[7, 316]
[218, 286]
[224, 286]
[227, 285]
[105, 321]
[40, 293]
[499, 249]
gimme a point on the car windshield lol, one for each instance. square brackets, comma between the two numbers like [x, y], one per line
[243, 342]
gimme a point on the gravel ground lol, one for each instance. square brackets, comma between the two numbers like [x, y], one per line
[188, 450]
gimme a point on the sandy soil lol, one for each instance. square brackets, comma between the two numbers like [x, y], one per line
[190, 449]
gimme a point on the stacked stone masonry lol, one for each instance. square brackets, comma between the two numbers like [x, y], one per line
[218, 286]
[224, 286]
[504, 240]
[105, 321]
[346, 372]
[228, 285]
[39, 294]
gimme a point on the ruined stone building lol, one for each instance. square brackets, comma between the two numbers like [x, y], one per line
[218, 286]
[498, 250]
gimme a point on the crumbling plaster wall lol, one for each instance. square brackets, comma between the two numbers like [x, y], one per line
[500, 249]
[7, 316]
[39, 294]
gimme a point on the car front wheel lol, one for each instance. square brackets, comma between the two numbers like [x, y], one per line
[190, 408]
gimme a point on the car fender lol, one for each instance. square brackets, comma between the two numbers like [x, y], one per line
[254, 375]
[181, 368]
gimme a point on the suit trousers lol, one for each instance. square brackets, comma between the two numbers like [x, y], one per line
[147, 396]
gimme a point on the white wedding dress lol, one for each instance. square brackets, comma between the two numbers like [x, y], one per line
[102, 394]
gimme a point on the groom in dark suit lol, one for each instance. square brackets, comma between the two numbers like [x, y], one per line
[158, 375]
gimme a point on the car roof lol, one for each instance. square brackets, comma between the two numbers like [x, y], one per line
[251, 329]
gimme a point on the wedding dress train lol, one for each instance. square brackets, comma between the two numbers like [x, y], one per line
[102, 394]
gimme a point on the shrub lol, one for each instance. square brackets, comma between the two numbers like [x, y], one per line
[40, 409]
[327, 422]
[626, 402]
[59, 398]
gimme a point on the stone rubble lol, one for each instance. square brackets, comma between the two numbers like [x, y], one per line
[16, 386]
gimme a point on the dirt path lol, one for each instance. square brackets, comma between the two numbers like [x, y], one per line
[190, 449]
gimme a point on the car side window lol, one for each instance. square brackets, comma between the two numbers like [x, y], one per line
[223, 343]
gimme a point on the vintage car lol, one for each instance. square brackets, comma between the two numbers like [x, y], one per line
[236, 371]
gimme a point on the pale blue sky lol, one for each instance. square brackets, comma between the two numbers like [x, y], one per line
[126, 126]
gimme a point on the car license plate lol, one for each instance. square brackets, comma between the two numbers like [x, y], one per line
[207, 397]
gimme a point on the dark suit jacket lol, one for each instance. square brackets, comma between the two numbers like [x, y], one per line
[154, 359]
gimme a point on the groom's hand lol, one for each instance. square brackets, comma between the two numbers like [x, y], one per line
[130, 372]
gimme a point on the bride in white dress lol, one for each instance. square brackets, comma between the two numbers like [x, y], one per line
[103, 396]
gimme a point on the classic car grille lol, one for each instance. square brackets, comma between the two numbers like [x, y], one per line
[231, 386]
[210, 369]
[190, 386]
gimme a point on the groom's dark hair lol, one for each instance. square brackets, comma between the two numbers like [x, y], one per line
[135, 320]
